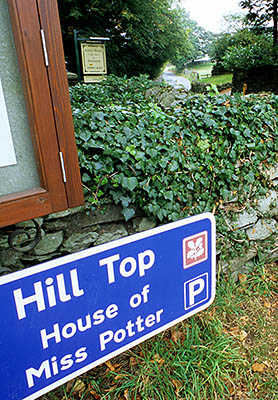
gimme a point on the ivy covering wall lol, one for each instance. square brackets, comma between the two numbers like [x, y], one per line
[165, 154]
[189, 158]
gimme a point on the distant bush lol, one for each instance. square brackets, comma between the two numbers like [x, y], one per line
[244, 49]
[188, 159]
[251, 55]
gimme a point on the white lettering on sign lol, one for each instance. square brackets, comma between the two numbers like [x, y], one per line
[51, 288]
[130, 329]
[128, 265]
[136, 299]
[196, 291]
[70, 329]
[51, 367]
[195, 288]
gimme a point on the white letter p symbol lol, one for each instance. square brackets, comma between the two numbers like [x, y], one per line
[195, 287]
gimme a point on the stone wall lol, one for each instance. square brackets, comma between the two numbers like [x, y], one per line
[167, 96]
[76, 229]
[67, 232]
[202, 87]
[259, 221]
[259, 79]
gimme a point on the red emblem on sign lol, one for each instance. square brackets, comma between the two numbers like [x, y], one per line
[195, 249]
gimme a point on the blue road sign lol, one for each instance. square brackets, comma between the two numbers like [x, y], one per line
[64, 317]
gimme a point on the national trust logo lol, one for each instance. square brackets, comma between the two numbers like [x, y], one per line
[195, 249]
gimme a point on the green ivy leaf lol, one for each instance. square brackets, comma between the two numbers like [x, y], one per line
[128, 213]
[203, 144]
[169, 195]
[130, 183]
[250, 177]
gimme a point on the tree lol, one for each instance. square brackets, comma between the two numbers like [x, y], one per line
[254, 54]
[198, 41]
[219, 47]
[244, 49]
[200, 38]
[260, 13]
[143, 34]
[233, 22]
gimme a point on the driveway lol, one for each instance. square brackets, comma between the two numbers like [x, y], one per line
[175, 80]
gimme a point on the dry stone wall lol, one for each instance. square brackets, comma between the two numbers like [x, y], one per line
[76, 229]
[259, 221]
[257, 79]
[68, 232]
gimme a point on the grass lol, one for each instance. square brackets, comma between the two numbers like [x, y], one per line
[229, 351]
[205, 69]
[201, 68]
[219, 79]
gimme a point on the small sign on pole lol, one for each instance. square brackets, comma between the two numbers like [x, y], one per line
[93, 57]
[66, 316]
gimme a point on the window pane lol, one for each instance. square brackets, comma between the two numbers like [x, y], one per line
[18, 171]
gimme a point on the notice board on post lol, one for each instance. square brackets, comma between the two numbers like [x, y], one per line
[90, 53]
[93, 61]
[39, 171]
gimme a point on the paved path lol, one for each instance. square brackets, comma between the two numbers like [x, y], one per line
[175, 80]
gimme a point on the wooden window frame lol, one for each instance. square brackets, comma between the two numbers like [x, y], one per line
[46, 94]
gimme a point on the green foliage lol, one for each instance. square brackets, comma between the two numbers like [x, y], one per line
[244, 50]
[201, 153]
[256, 54]
[263, 15]
[143, 34]
[259, 12]
[241, 48]
[233, 22]
[198, 43]
[194, 366]
[219, 79]
[219, 47]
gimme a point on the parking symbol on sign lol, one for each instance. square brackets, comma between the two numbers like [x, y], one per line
[195, 249]
[196, 291]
